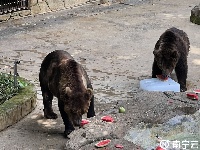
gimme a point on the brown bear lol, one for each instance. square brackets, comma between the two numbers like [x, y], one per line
[170, 52]
[61, 76]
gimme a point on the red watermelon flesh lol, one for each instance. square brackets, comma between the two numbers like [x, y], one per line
[84, 121]
[161, 77]
[159, 148]
[103, 143]
[107, 119]
[119, 146]
[192, 96]
[197, 91]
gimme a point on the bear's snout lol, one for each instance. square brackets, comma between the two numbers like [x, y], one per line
[167, 72]
[77, 122]
[165, 75]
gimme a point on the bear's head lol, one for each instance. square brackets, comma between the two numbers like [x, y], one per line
[166, 59]
[76, 104]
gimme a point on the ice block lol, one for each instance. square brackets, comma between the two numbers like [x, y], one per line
[155, 84]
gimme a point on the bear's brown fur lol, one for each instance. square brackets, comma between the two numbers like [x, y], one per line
[170, 53]
[61, 76]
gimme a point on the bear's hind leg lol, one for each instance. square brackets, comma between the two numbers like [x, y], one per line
[47, 102]
[68, 125]
[91, 112]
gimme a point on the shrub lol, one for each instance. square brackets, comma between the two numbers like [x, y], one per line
[7, 88]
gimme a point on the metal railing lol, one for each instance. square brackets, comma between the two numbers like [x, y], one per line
[7, 6]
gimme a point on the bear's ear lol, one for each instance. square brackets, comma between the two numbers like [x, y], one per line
[89, 94]
[68, 91]
[155, 52]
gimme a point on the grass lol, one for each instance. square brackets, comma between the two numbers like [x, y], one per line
[7, 89]
[20, 104]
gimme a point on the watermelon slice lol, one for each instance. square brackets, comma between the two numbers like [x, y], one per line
[159, 148]
[170, 101]
[197, 91]
[192, 96]
[107, 119]
[103, 143]
[162, 78]
[84, 121]
[119, 146]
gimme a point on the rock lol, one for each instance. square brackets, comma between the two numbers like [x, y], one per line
[5, 17]
[15, 15]
[44, 8]
[195, 15]
[24, 13]
[55, 5]
[33, 2]
[35, 9]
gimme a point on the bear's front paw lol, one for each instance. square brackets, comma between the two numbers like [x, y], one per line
[67, 132]
[183, 89]
[50, 115]
[89, 115]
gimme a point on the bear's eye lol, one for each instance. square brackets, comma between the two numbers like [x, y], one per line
[174, 55]
[73, 112]
[82, 111]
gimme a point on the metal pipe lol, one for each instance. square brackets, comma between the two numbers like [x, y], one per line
[15, 73]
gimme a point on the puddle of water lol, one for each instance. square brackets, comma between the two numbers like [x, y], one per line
[178, 128]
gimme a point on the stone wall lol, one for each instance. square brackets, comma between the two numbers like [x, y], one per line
[41, 7]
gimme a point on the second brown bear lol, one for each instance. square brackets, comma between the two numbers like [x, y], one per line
[170, 52]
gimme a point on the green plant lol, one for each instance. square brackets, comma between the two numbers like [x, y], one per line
[195, 19]
[7, 88]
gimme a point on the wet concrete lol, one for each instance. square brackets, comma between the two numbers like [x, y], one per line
[114, 44]
[185, 127]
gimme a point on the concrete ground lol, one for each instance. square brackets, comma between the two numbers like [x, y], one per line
[114, 43]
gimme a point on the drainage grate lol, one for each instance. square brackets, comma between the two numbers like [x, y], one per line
[7, 6]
